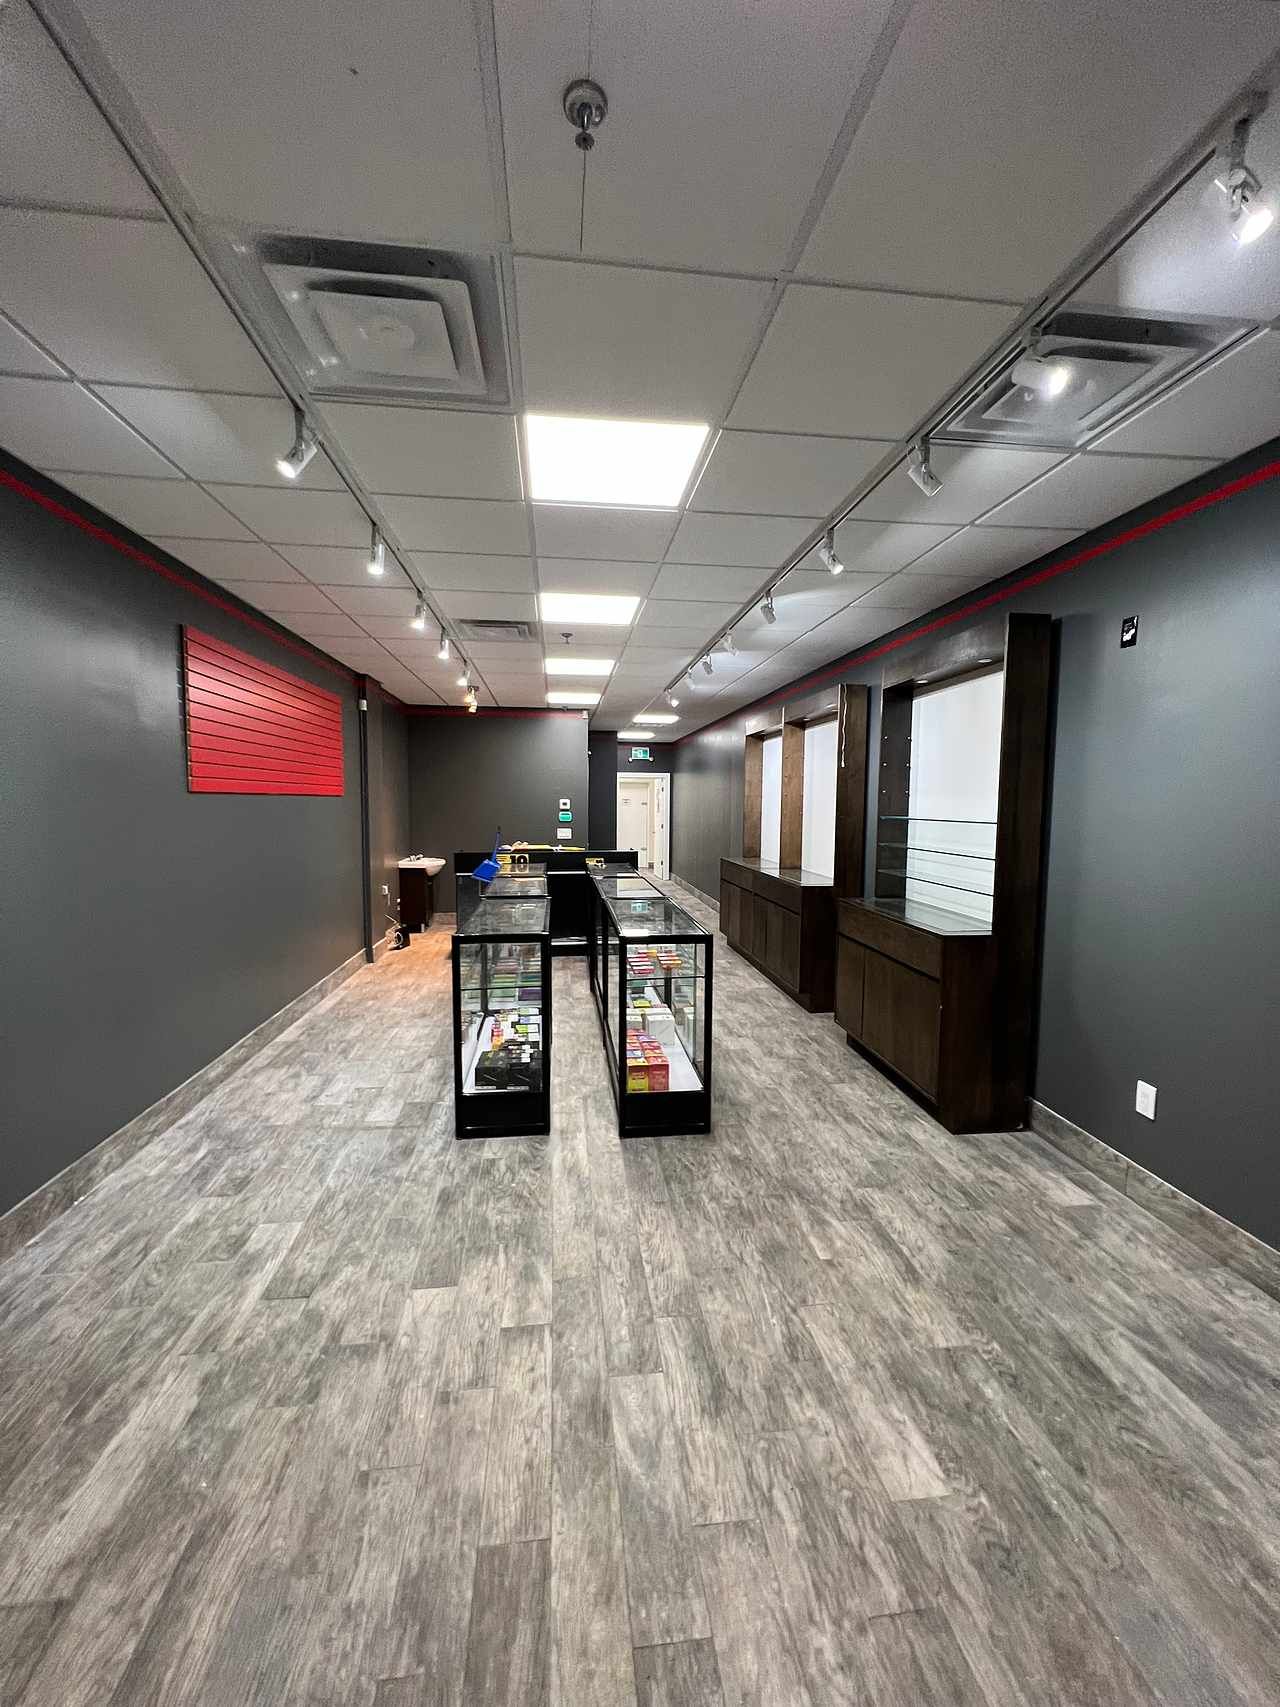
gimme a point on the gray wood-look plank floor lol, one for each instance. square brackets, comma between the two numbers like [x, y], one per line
[309, 1403]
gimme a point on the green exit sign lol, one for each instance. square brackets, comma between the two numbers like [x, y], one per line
[640, 753]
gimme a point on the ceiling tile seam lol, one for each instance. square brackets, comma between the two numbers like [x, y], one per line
[88, 210]
[107, 91]
[515, 363]
[7, 319]
[491, 99]
[1139, 210]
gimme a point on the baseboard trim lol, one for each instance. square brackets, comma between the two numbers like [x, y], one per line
[21, 1224]
[1231, 1246]
[711, 900]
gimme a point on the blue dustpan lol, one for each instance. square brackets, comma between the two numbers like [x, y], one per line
[488, 869]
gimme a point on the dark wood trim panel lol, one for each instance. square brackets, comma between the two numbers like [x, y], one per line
[791, 807]
[752, 796]
[851, 789]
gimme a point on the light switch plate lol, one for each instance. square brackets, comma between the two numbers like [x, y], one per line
[1145, 1101]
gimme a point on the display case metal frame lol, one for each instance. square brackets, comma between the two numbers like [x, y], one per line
[490, 923]
[644, 1114]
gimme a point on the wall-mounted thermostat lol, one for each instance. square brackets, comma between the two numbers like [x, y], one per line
[564, 804]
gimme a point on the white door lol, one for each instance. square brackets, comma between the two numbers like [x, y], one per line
[633, 818]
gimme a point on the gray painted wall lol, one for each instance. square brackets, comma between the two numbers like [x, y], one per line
[390, 831]
[1162, 915]
[145, 929]
[470, 776]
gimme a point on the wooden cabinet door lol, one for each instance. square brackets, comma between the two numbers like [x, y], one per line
[782, 945]
[757, 944]
[729, 911]
[901, 1019]
[851, 959]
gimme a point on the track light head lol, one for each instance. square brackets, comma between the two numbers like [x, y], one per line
[1249, 214]
[730, 644]
[920, 468]
[377, 564]
[299, 454]
[767, 611]
[443, 653]
[470, 700]
[708, 668]
[827, 552]
[671, 699]
[419, 617]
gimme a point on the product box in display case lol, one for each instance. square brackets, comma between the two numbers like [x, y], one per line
[501, 1014]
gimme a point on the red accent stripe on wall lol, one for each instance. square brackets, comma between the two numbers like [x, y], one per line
[254, 729]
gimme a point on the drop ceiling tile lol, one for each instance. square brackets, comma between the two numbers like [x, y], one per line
[518, 654]
[458, 524]
[686, 338]
[784, 474]
[19, 355]
[590, 575]
[284, 516]
[671, 188]
[880, 548]
[158, 507]
[706, 581]
[684, 614]
[513, 607]
[600, 641]
[374, 601]
[329, 626]
[342, 565]
[394, 97]
[992, 189]
[1090, 490]
[286, 598]
[864, 363]
[458, 571]
[151, 316]
[974, 478]
[58, 426]
[979, 554]
[388, 628]
[231, 560]
[585, 530]
[56, 145]
[217, 437]
[445, 453]
[1220, 413]
[913, 592]
[760, 542]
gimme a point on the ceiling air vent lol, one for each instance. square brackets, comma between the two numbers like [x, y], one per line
[1103, 365]
[377, 320]
[493, 628]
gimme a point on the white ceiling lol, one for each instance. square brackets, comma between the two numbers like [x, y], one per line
[801, 225]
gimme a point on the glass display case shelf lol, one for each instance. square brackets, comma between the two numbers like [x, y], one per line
[651, 972]
[501, 1015]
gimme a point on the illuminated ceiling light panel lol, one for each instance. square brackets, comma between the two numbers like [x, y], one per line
[572, 696]
[631, 464]
[596, 609]
[579, 666]
[656, 717]
[635, 734]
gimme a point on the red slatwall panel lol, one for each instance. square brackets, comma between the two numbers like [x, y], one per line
[253, 729]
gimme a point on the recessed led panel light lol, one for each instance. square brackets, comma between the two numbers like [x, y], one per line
[636, 464]
[572, 696]
[656, 717]
[635, 735]
[579, 666]
[596, 609]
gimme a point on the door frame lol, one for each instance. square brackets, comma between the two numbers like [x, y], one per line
[660, 853]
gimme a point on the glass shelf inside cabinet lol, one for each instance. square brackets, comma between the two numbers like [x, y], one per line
[947, 861]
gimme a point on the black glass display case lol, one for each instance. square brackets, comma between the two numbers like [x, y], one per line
[501, 1014]
[651, 975]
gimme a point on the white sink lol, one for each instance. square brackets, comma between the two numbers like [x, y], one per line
[425, 862]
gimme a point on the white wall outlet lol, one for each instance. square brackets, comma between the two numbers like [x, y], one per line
[386, 889]
[1145, 1101]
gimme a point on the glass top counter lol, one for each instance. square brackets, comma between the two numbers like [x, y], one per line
[487, 915]
[795, 874]
[525, 885]
[652, 914]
